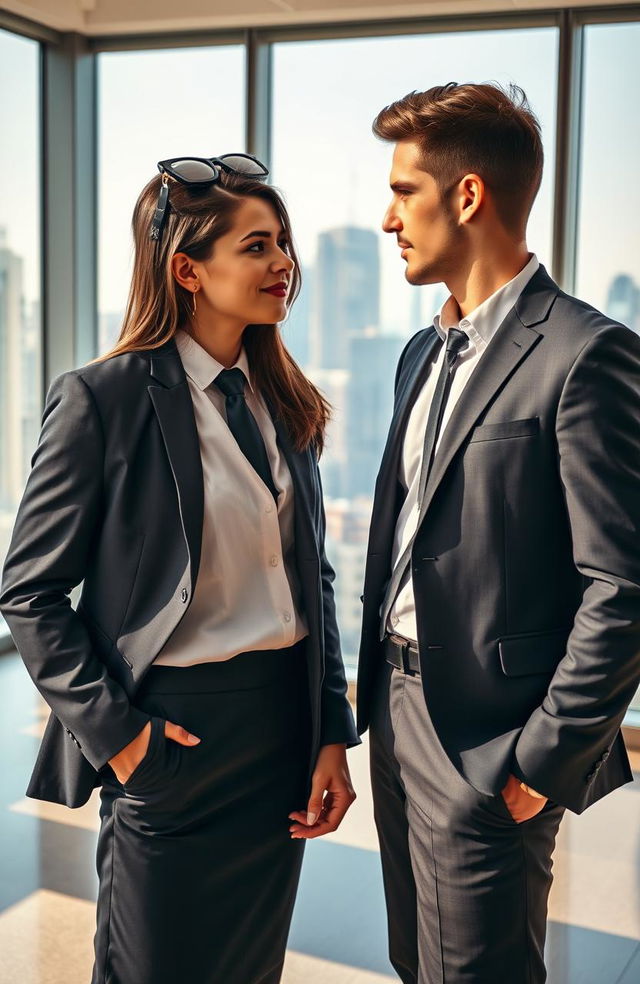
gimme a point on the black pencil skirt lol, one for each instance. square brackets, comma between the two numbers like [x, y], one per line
[198, 873]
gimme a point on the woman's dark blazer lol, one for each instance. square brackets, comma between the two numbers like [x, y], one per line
[115, 500]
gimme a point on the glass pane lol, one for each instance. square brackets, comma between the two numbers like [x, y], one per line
[608, 269]
[356, 308]
[20, 245]
[154, 105]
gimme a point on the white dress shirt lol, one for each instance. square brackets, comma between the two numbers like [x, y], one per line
[247, 592]
[480, 325]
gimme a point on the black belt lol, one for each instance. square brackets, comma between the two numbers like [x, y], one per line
[402, 654]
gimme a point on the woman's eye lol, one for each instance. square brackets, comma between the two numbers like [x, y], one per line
[284, 245]
[256, 247]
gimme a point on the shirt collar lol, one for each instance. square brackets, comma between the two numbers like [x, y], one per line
[201, 367]
[482, 323]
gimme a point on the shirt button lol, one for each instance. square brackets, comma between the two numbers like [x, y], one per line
[184, 594]
[274, 561]
[394, 619]
[287, 616]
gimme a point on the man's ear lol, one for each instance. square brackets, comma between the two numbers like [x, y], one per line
[471, 194]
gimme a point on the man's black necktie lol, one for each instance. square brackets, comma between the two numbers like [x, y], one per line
[243, 426]
[456, 341]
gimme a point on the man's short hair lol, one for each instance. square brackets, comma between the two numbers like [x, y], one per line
[474, 128]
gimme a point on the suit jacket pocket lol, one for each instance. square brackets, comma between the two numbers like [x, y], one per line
[533, 652]
[506, 429]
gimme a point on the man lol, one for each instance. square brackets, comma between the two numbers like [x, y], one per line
[501, 631]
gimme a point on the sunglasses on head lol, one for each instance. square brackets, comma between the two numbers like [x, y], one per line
[200, 171]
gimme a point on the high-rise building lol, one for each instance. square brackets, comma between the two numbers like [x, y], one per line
[623, 301]
[347, 536]
[31, 385]
[11, 377]
[334, 384]
[373, 360]
[347, 298]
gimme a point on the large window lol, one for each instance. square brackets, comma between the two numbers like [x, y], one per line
[608, 260]
[356, 309]
[20, 245]
[609, 203]
[154, 105]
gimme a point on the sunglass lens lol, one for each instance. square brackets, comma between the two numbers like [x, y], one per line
[194, 171]
[245, 165]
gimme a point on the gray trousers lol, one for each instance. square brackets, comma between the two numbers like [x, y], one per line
[466, 886]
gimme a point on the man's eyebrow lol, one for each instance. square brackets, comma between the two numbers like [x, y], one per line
[400, 185]
[260, 232]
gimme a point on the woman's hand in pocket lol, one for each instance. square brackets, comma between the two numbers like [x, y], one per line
[129, 758]
[331, 795]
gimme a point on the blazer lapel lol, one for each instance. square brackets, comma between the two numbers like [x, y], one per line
[406, 397]
[174, 408]
[512, 343]
[385, 493]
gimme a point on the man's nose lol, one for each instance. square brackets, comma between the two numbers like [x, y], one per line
[391, 222]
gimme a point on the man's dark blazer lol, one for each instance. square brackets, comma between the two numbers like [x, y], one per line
[526, 564]
[115, 499]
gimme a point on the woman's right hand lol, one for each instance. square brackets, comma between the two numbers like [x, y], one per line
[130, 757]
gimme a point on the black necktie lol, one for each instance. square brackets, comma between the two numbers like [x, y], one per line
[243, 426]
[456, 341]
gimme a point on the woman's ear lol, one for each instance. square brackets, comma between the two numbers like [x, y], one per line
[184, 272]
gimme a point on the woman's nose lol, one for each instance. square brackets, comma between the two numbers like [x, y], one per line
[284, 262]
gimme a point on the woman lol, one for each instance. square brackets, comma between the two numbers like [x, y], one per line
[200, 681]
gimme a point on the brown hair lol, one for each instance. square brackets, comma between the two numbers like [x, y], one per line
[474, 128]
[157, 305]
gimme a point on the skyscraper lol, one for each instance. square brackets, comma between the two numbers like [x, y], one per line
[334, 385]
[373, 360]
[347, 298]
[11, 377]
[623, 301]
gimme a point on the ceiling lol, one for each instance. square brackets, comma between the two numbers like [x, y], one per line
[109, 17]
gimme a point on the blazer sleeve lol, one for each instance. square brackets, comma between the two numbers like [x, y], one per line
[57, 520]
[598, 432]
[337, 722]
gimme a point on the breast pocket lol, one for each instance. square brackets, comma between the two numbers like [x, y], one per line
[506, 429]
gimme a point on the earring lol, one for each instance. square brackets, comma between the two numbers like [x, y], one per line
[193, 309]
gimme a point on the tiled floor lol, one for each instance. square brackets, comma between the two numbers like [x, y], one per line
[48, 884]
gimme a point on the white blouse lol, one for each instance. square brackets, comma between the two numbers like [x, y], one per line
[247, 595]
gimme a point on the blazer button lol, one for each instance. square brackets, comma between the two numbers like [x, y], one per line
[184, 594]
[605, 755]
